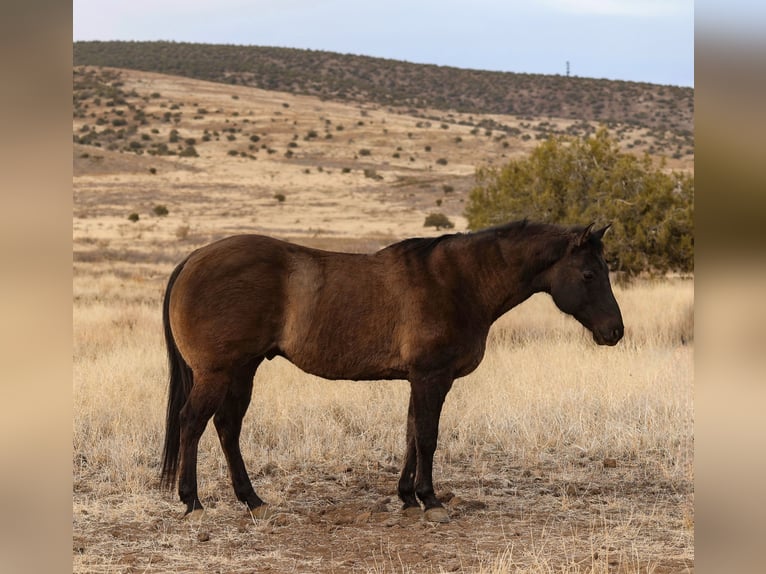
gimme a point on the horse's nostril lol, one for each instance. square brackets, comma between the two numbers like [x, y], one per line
[617, 333]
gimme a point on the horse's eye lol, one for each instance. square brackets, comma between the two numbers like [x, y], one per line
[588, 275]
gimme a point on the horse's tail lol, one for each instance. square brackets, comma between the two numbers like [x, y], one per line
[179, 387]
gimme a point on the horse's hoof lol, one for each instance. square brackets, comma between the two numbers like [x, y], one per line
[437, 514]
[262, 512]
[412, 512]
[195, 514]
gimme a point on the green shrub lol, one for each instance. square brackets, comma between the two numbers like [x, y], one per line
[438, 220]
[133, 217]
[578, 181]
[160, 210]
[188, 151]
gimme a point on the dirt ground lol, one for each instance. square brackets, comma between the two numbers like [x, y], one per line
[344, 519]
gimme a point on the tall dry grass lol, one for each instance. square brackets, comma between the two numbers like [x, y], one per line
[545, 398]
[542, 388]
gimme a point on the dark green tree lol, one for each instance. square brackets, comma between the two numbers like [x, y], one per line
[438, 220]
[578, 181]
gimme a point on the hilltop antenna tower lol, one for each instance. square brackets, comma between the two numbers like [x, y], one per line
[567, 68]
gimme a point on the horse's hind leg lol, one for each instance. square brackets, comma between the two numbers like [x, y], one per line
[204, 400]
[228, 423]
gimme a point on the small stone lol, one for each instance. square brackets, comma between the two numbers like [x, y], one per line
[412, 512]
[437, 514]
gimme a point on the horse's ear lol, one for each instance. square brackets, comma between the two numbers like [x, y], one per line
[599, 233]
[583, 237]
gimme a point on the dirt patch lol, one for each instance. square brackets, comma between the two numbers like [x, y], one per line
[349, 521]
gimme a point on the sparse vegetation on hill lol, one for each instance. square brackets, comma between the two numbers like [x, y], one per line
[388, 82]
[113, 116]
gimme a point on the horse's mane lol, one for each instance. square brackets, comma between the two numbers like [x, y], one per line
[521, 229]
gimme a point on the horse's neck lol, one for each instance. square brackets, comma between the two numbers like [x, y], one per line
[509, 276]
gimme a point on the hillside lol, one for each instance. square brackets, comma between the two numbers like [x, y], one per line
[346, 77]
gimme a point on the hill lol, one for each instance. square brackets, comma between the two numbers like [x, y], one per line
[346, 77]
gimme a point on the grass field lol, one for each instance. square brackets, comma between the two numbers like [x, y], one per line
[526, 451]
[555, 455]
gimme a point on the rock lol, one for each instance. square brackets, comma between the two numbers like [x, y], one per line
[413, 512]
[437, 514]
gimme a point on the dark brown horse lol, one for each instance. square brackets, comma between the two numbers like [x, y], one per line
[418, 310]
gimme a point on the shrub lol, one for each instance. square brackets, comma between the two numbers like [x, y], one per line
[160, 210]
[438, 220]
[280, 197]
[578, 181]
[188, 151]
[133, 217]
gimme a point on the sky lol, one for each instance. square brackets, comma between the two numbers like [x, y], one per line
[634, 40]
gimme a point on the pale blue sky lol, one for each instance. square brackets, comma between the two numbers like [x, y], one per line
[636, 40]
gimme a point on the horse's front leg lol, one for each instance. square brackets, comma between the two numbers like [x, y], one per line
[427, 397]
[406, 488]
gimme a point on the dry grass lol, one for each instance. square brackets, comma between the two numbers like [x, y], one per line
[522, 446]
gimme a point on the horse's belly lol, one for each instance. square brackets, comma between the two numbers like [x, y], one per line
[333, 359]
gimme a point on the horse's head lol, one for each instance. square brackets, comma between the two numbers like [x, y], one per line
[579, 285]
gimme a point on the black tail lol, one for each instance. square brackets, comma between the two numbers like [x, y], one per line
[179, 387]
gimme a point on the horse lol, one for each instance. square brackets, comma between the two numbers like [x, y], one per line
[419, 310]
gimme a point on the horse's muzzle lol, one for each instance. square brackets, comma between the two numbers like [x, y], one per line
[609, 335]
